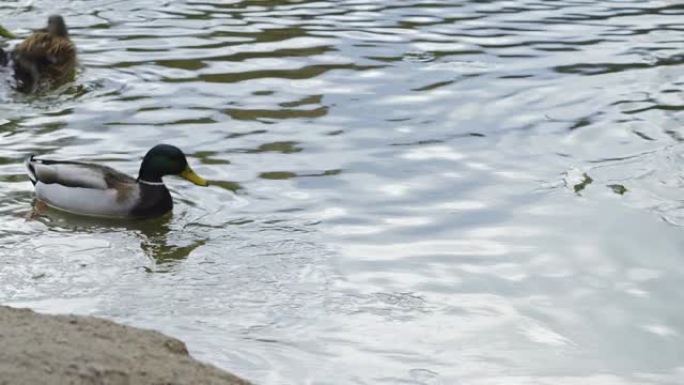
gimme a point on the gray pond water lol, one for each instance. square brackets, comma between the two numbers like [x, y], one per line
[403, 192]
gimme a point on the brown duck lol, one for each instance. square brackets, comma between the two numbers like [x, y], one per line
[46, 58]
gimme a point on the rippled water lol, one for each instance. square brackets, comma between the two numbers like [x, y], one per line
[404, 192]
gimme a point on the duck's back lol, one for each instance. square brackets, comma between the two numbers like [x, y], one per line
[43, 45]
[45, 57]
[83, 188]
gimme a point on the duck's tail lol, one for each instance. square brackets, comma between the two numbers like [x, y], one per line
[31, 170]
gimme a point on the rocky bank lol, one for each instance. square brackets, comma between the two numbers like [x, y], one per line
[40, 349]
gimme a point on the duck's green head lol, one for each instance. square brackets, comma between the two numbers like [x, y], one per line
[57, 26]
[164, 159]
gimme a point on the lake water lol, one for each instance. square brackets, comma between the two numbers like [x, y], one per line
[403, 192]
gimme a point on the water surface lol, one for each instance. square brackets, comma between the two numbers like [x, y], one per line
[403, 192]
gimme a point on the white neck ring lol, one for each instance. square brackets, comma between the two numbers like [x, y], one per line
[150, 183]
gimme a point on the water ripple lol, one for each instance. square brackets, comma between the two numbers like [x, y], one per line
[411, 192]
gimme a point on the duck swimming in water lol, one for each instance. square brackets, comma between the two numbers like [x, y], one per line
[46, 58]
[100, 191]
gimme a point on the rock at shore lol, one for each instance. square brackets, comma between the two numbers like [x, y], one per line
[55, 349]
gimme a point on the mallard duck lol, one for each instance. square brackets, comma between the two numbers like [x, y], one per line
[48, 55]
[100, 191]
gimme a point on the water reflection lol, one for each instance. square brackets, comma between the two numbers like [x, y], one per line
[156, 244]
[404, 192]
[159, 239]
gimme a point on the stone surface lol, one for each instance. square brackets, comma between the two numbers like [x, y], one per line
[63, 349]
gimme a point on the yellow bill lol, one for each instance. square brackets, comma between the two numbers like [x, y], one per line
[192, 177]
